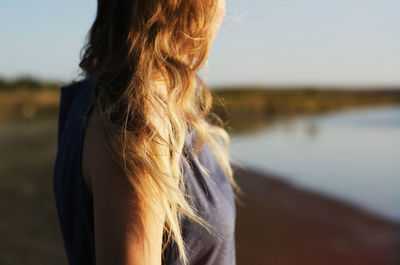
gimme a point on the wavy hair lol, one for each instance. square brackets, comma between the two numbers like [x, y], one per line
[144, 56]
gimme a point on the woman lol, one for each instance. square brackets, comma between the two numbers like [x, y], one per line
[142, 176]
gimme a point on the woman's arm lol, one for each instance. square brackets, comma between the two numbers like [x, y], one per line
[121, 224]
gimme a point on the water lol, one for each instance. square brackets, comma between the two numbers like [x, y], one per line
[351, 155]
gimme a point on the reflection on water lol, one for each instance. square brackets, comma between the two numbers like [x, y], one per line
[352, 155]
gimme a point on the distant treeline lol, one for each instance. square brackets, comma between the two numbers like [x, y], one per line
[27, 83]
[27, 97]
[271, 102]
[240, 107]
[250, 108]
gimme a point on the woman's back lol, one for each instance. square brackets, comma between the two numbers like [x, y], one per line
[212, 198]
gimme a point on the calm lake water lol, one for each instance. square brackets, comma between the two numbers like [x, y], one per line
[351, 155]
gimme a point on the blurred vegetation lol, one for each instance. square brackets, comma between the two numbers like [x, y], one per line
[246, 108]
[241, 108]
[27, 83]
[27, 97]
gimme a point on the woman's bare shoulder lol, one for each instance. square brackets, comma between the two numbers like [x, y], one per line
[121, 223]
[94, 142]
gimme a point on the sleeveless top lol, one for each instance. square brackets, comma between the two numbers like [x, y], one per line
[212, 197]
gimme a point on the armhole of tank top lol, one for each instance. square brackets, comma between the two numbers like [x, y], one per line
[86, 115]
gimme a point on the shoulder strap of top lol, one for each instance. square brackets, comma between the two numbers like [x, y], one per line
[74, 99]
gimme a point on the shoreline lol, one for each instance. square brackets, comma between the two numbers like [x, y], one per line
[293, 226]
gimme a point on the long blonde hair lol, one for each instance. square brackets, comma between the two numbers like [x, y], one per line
[144, 56]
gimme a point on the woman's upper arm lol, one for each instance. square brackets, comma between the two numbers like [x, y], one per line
[125, 231]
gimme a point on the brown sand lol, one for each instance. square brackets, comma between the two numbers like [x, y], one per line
[282, 224]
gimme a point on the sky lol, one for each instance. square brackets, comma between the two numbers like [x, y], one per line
[261, 42]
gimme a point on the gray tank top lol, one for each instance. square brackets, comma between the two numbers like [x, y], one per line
[213, 198]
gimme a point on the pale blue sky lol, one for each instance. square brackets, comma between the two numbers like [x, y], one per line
[302, 42]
